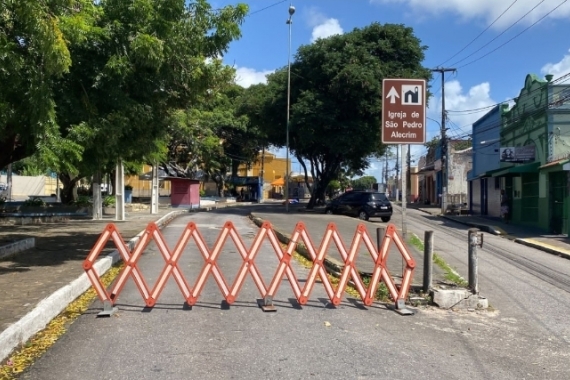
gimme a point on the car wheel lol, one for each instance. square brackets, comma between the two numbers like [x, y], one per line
[363, 215]
[328, 211]
[385, 219]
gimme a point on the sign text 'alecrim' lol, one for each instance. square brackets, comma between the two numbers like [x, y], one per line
[403, 111]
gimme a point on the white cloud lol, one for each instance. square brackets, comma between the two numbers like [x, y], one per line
[246, 76]
[323, 26]
[487, 9]
[329, 28]
[559, 68]
[456, 99]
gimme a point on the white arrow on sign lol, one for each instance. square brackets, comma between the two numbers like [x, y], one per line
[393, 94]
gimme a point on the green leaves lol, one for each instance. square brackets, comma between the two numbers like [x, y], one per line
[336, 86]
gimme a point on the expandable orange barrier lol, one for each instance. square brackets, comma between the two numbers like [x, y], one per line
[266, 232]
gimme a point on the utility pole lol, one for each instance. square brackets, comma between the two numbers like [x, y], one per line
[386, 171]
[444, 143]
[409, 171]
[397, 172]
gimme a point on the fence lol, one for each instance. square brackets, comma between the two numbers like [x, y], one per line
[266, 233]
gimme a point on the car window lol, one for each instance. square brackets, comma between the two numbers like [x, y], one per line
[378, 197]
[349, 197]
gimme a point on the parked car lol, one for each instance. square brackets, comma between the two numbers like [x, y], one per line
[361, 204]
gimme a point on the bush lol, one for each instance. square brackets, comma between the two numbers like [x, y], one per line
[82, 201]
[202, 192]
[35, 202]
[109, 201]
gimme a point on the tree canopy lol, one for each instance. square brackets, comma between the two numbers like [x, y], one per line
[33, 53]
[336, 86]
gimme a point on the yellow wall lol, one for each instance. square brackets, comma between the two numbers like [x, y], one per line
[273, 167]
[142, 188]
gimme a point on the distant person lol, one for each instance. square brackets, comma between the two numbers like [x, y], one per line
[504, 207]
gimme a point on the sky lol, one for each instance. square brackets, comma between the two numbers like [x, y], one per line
[493, 44]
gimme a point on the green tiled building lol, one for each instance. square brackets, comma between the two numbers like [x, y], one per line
[534, 155]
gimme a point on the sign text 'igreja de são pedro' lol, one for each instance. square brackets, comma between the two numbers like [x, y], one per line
[403, 111]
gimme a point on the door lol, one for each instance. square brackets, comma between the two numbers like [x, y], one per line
[558, 186]
[344, 203]
[484, 205]
[353, 204]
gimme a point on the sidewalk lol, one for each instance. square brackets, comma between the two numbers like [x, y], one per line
[532, 237]
[42, 279]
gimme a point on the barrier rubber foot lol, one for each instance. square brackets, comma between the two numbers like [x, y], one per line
[108, 310]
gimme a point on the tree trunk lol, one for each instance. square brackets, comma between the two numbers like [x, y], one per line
[318, 195]
[220, 186]
[69, 191]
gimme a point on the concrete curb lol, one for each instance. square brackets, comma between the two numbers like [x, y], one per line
[50, 307]
[543, 247]
[18, 246]
[483, 227]
[528, 242]
[334, 266]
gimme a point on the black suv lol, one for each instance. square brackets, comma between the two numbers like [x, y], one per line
[363, 204]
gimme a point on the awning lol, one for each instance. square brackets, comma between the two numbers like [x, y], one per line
[278, 182]
[488, 173]
[517, 170]
[554, 163]
[427, 168]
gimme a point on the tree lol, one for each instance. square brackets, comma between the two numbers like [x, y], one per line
[34, 52]
[336, 98]
[145, 64]
[364, 183]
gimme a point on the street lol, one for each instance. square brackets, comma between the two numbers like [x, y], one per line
[524, 335]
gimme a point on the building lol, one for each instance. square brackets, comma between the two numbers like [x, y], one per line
[484, 190]
[535, 155]
[267, 166]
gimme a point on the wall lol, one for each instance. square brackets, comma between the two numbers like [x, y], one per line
[143, 188]
[460, 165]
[486, 130]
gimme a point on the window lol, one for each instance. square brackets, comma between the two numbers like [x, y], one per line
[378, 197]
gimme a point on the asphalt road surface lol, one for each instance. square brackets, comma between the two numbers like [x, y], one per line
[525, 336]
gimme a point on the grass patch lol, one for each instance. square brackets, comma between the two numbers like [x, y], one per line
[382, 293]
[450, 274]
[34, 348]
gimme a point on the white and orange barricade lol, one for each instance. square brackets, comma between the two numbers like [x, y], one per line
[230, 292]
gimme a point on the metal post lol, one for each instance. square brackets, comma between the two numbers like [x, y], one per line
[397, 172]
[473, 277]
[289, 22]
[154, 196]
[97, 201]
[428, 260]
[404, 191]
[120, 191]
[9, 182]
[380, 233]
[57, 197]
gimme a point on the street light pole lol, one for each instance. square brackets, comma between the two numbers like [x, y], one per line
[289, 22]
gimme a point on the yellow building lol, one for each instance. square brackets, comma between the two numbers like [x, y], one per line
[142, 187]
[271, 168]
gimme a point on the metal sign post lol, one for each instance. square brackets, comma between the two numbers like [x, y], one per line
[403, 122]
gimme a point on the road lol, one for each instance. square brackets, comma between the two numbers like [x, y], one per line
[525, 336]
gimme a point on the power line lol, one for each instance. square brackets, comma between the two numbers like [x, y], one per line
[480, 34]
[500, 34]
[560, 79]
[524, 30]
[267, 7]
[549, 104]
